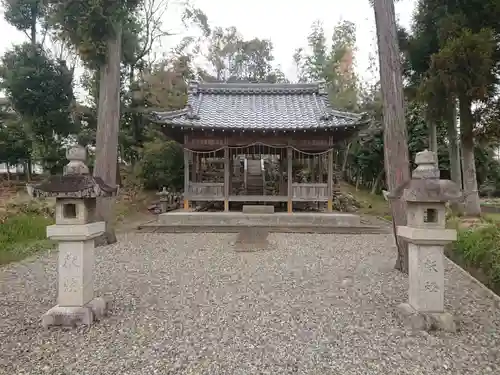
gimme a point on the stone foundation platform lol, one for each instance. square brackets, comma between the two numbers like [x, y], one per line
[230, 222]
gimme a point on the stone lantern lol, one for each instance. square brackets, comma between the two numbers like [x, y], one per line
[426, 196]
[164, 199]
[75, 230]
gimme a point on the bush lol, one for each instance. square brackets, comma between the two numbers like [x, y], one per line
[162, 164]
[480, 248]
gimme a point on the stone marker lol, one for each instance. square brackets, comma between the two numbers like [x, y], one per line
[426, 196]
[75, 230]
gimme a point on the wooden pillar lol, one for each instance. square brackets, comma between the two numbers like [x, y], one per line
[282, 180]
[289, 158]
[231, 172]
[330, 181]
[226, 178]
[186, 179]
[194, 168]
[320, 169]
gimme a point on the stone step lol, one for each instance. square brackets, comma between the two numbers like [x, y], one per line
[305, 219]
[257, 209]
[290, 228]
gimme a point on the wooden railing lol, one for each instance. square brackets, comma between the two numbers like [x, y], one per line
[205, 190]
[309, 191]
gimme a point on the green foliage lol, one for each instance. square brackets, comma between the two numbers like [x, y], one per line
[487, 170]
[40, 92]
[452, 52]
[39, 89]
[162, 164]
[235, 59]
[332, 64]
[464, 66]
[23, 14]
[15, 145]
[480, 248]
[88, 24]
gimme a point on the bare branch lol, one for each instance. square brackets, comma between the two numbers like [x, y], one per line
[151, 13]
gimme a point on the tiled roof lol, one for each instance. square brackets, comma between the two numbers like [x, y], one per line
[77, 186]
[258, 106]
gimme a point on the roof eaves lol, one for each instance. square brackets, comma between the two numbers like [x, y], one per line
[190, 124]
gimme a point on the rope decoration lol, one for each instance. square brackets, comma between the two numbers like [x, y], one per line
[257, 146]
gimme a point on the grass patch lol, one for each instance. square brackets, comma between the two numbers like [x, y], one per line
[478, 251]
[371, 204]
[492, 218]
[22, 235]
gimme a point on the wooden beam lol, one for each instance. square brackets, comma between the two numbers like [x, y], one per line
[330, 181]
[186, 179]
[226, 178]
[307, 141]
[289, 158]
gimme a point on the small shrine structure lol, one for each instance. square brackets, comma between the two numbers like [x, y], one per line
[259, 142]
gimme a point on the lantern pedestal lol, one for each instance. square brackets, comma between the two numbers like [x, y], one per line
[75, 301]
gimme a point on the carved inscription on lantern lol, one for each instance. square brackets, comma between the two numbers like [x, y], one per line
[431, 286]
[430, 265]
[70, 261]
[71, 268]
[70, 285]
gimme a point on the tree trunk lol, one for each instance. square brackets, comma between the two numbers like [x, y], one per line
[29, 169]
[455, 167]
[397, 166]
[433, 141]
[108, 119]
[34, 19]
[454, 153]
[376, 183]
[472, 206]
[344, 162]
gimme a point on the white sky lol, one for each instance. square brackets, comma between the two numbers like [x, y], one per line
[285, 23]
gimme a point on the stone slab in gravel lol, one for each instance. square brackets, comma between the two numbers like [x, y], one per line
[191, 304]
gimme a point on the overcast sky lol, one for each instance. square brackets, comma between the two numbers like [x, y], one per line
[285, 23]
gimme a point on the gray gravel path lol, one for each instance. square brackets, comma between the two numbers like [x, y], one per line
[190, 304]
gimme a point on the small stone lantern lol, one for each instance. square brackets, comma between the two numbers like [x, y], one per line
[164, 199]
[426, 196]
[75, 230]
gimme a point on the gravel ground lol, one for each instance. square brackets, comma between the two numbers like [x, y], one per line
[191, 304]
